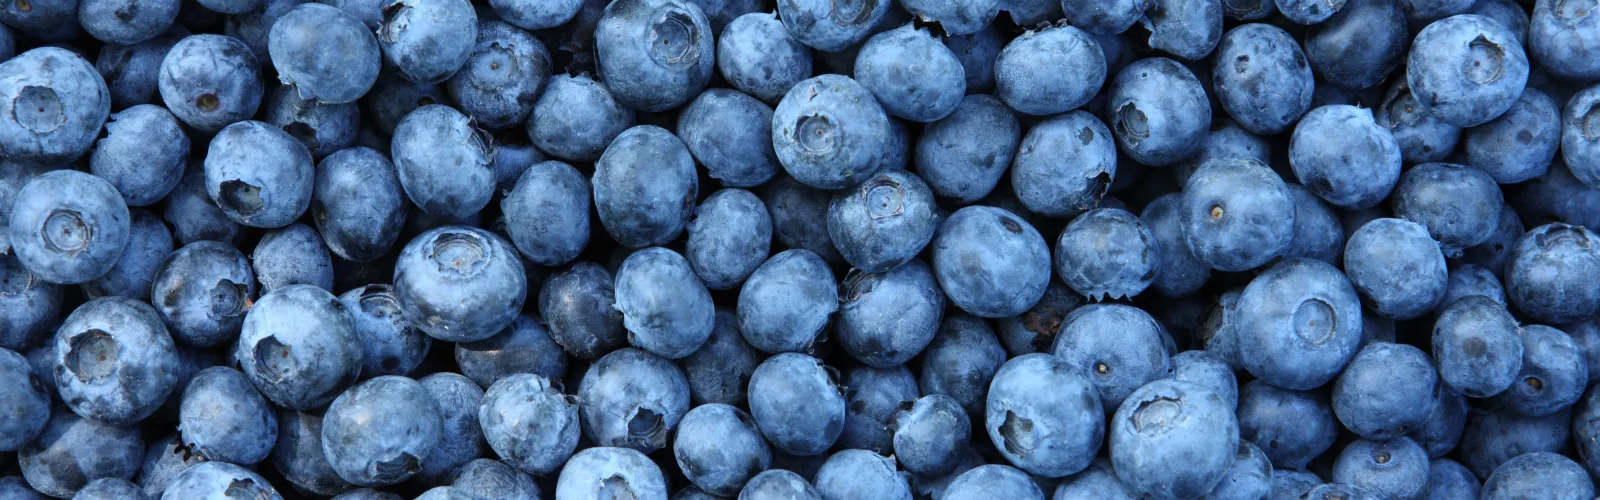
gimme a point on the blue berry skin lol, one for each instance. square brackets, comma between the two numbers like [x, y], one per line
[645, 187]
[460, 283]
[1178, 272]
[776, 484]
[1318, 232]
[861, 474]
[831, 27]
[357, 204]
[1237, 214]
[393, 97]
[882, 223]
[1423, 12]
[376, 433]
[370, 12]
[1467, 69]
[729, 238]
[73, 451]
[1064, 165]
[1587, 335]
[500, 80]
[427, 41]
[1394, 468]
[131, 71]
[1103, 18]
[164, 460]
[1493, 253]
[218, 480]
[797, 403]
[990, 262]
[576, 117]
[1359, 45]
[1557, 196]
[321, 127]
[829, 132]
[727, 131]
[110, 488]
[1493, 437]
[536, 15]
[908, 292]
[68, 227]
[524, 347]
[1520, 144]
[994, 482]
[203, 292]
[1370, 404]
[720, 370]
[299, 347]
[113, 360]
[578, 306]
[1210, 370]
[1217, 333]
[1478, 347]
[529, 423]
[1420, 136]
[1441, 431]
[210, 81]
[1261, 78]
[1169, 422]
[1158, 111]
[615, 472]
[1545, 474]
[443, 161]
[547, 213]
[25, 397]
[1449, 479]
[1458, 205]
[1044, 417]
[1580, 143]
[953, 16]
[1117, 348]
[757, 55]
[223, 418]
[800, 217]
[298, 454]
[1340, 153]
[655, 54]
[977, 53]
[1250, 476]
[461, 438]
[489, 478]
[929, 436]
[1309, 12]
[787, 302]
[293, 255]
[1397, 268]
[1298, 324]
[254, 28]
[513, 155]
[1560, 39]
[1098, 481]
[961, 361]
[719, 448]
[47, 21]
[54, 103]
[1107, 253]
[325, 53]
[665, 307]
[1249, 10]
[1546, 270]
[143, 154]
[259, 175]
[632, 399]
[873, 397]
[912, 75]
[963, 156]
[1189, 29]
[1553, 376]
[231, 6]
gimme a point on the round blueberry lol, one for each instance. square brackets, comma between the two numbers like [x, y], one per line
[203, 292]
[443, 161]
[665, 307]
[298, 454]
[1107, 253]
[829, 132]
[645, 187]
[632, 399]
[729, 238]
[797, 403]
[787, 302]
[1064, 165]
[223, 418]
[1189, 29]
[357, 204]
[1168, 421]
[1261, 78]
[1561, 39]
[461, 439]
[53, 102]
[1237, 214]
[990, 262]
[524, 347]
[1466, 69]
[460, 283]
[719, 448]
[1459, 205]
[1360, 44]
[68, 227]
[655, 54]
[831, 26]
[727, 131]
[500, 80]
[324, 53]
[536, 14]
[259, 175]
[1398, 269]
[131, 71]
[1340, 153]
[218, 480]
[114, 361]
[1396, 468]
[888, 60]
[908, 292]
[964, 155]
[427, 41]
[321, 127]
[961, 361]
[1369, 403]
[1478, 347]
[757, 55]
[1554, 373]
[511, 404]
[547, 213]
[489, 478]
[292, 255]
[25, 397]
[1520, 144]
[1044, 417]
[1298, 324]
[1117, 348]
[720, 370]
[143, 154]
[578, 305]
[1421, 136]
[376, 433]
[1291, 427]
[1547, 273]
[576, 117]
[210, 81]
[1158, 111]
[299, 346]
[602, 472]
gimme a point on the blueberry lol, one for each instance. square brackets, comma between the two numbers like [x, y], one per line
[529, 423]
[393, 97]
[1117, 348]
[1543, 474]
[797, 403]
[536, 15]
[1250, 476]
[888, 58]
[727, 131]
[828, 26]
[1558, 196]
[929, 435]
[964, 155]
[1466, 69]
[1520, 144]
[1421, 136]
[143, 154]
[1356, 170]
[729, 238]
[719, 448]
[1478, 347]
[720, 370]
[655, 54]
[460, 283]
[909, 292]
[1457, 204]
[1423, 12]
[1554, 373]
[1544, 269]
[524, 347]
[1107, 253]
[1043, 416]
[298, 454]
[1395, 265]
[427, 41]
[1291, 427]
[1064, 165]
[259, 175]
[1441, 430]
[114, 362]
[1158, 110]
[602, 472]
[1318, 232]
[1189, 29]
[576, 117]
[861, 474]
[322, 128]
[1470, 279]
[203, 292]
[54, 102]
[829, 131]
[219, 480]
[461, 439]
[110, 488]
[757, 55]
[25, 397]
[989, 262]
[501, 78]
[210, 81]
[1560, 40]
[298, 345]
[665, 307]
[357, 204]
[1395, 468]
[1103, 18]
[1369, 403]
[194, 216]
[293, 255]
[1216, 333]
[800, 217]
[254, 27]
[1249, 10]
[578, 306]
[787, 302]
[1237, 214]
[223, 418]
[1359, 44]
[68, 227]
[1309, 11]
[131, 71]
[547, 213]
[1587, 335]
[778, 484]
[645, 187]
[873, 396]
[48, 21]
[492, 479]
[1579, 146]
[1449, 479]
[1170, 422]
[633, 399]
[884, 222]
[961, 361]
[977, 52]
[375, 433]
[994, 482]
[1261, 78]
[443, 161]
[1098, 481]
[73, 451]
[1493, 437]
[324, 52]
[1178, 272]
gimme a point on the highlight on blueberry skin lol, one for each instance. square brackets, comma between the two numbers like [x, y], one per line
[831, 26]
[632, 399]
[882, 223]
[1158, 110]
[645, 187]
[376, 433]
[443, 160]
[888, 58]
[1107, 253]
[665, 307]
[300, 359]
[501, 78]
[114, 361]
[1466, 69]
[53, 103]
[358, 204]
[210, 81]
[1298, 324]
[1543, 269]
[1261, 78]
[1030, 73]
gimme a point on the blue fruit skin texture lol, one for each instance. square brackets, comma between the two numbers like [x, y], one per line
[1189, 29]
[665, 307]
[963, 156]
[324, 53]
[164, 460]
[729, 238]
[1557, 196]
[1478, 347]
[460, 283]
[655, 54]
[1397, 268]
[299, 347]
[131, 71]
[1368, 404]
[501, 78]
[797, 403]
[321, 127]
[1492, 437]
[73, 451]
[223, 418]
[1396, 468]
[829, 132]
[254, 28]
[1064, 165]
[1441, 431]
[524, 347]
[1440, 78]
[618, 472]
[489, 478]
[427, 41]
[217, 480]
[1167, 422]
[727, 132]
[1467, 280]
[1098, 481]
[576, 117]
[778, 484]
[912, 75]
[393, 97]
[113, 361]
[259, 175]
[529, 424]
[1449, 479]
[1207, 369]
[48, 21]
[293, 255]
[202, 292]
[990, 262]
[298, 454]
[1538, 474]
[908, 292]
[461, 438]
[68, 227]
[720, 370]
[1178, 272]
[110, 488]
[787, 302]
[443, 161]
[1580, 147]
[143, 154]
[357, 204]
[861, 474]
[873, 396]
[1561, 39]
[1309, 11]
[24, 396]
[993, 482]
[126, 22]
[645, 187]
[930, 435]
[1262, 79]
[632, 399]
[1298, 324]
[1318, 232]
[1360, 44]
[1103, 18]
[547, 213]
[1421, 12]
[884, 222]
[1544, 271]
[1340, 153]
[210, 81]
[1420, 136]
[1520, 144]
[534, 14]
[955, 17]
[757, 55]
[830, 27]
[1458, 205]
[375, 433]
[578, 305]
[1044, 417]
[1107, 253]
[1117, 348]
[961, 361]
[977, 53]
[800, 217]
[1237, 214]
[1554, 373]
[1250, 476]
[1158, 111]
[28, 305]
[719, 448]
[54, 102]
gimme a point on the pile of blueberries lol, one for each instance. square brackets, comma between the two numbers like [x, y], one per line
[797, 249]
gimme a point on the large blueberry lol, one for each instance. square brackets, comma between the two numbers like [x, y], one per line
[73, 451]
[1561, 38]
[1261, 78]
[1553, 376]
[259, 175]
[357, 204]
[882, 223]
[911, 74]
[961, 360]
[1298, 324]
[797, 403]
[502, 77]
[787, 302]
[461, 438]
[529, 423]
[203, 292]
[727, 131]
[1466, 69]
[1107, 253]
[1178, 272]
[1170, 422]
[321, 127]
[143, 154]
[1541, 474]
[1395, 468]
[829, 132]
[575, 118]
[1237, 214]
[376, 433]
[53, 102]
[861, 474]
[1117, 348]
[1340, 153]
[68, 227]
[1459, 205]
[524, 347]
[443, 161]
[729, 238]
[1189, 29]
[831, 26]
[1158, 111]
[211, 480]
[1064, 165]
[223, 418]
[292, 255]
[757, 55]
[1545, 271]
[719, 448]
[964, 155]
[1044, 417]
[655, 54]
[720, 370]
[299, 346]
[1421, 136]
[1398, 269]
[990, 262]
[645, 187]
[324, 53]
[1478, 347]
[210, 81]
[632, 399]
[665, 307]
[460, 283]
[427, 41]
[603, 472]
[114, 361]
[547, 213]
[908, 292]
[1369, 402]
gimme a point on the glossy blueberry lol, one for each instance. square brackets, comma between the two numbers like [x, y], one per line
[1467, 69]
[1064, 165]
[884, 222]
[1359, 44]
[1477, 346]
[524, 347]
[210, 81]
[461, 438]
[376, 433]
[873, 396]
[1449, 479]
[427, 41]
[547, 213]
[961, 361]
[114, 361]
[1168, 422]
[322, 128]
[73, 451]
[1237, 214]
[1369, 402]
[797, 403]
[828, 26]
[143, 154]
[1340, 153]
[203, 292]
[1520, 144]
[1158, 110]
[1261, 78]
[293, 255]
[964, 155]
[720, 370]
[719, 448]
[298, 454]
[990, 262]
[259, 175]
[1458, 205]
[217, 481]
[757, 55]
[298, 345]
[655, 54]
[645, 187]
[1545, 475]
[1117, 348]
[1544, 269]
[887, 62]
[324, 52]
[665, 307]
[1107, 253]
[1395, 468]
[1493, 437]
[908, 292]
[787, 302]
[54, 103]
[1397, 267]
[578, 306]
[528, 423]
[829, 132]
[223, 418]
[1560, 40]
[460, 283]
[500, 80]
[632, 399]
[727, 131]
[1297, 324]
[575, 118]
[26, 397]
[1044, 417]
[602, 472]
[443, 161]
[357, 204]
[1553, 376]
[68, 227]
[729, 238]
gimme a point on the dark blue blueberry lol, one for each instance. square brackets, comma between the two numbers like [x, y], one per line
[321, 127]
[1291, 427]
[111, 488]
[47, 21]
[1035, 330]
[787, 302]
[461, 438]
[1449, 479]
[376, 433]
[655, 54]
[1309, 11]
[797, 403]
[909, 293]
[357, 204]
[977, 53]
[325, 53]
[1441, 430]
[961, 361]
[1168, 422]
[202, 292]
[223, 418]
[1207, 369]
[800, 216]
[728, 132]
[1457, 204]
[1249, 10]
[1288, 484]
[861, 474]
[720, 370]
[729, 238]
[1520, 144]
[1538, 475]
[114, 361]
[1421, 136]
[1423, 12]
[211, 480]
[1548, 271]
[547, 213]
[778, 484]
[1064, 165]
[757, 55]
[164, 459]
[524, 347]
[1558, 196]
[1237, 214]
[1318, 232]
[231, 6]
[1250, 476]
[1103, 18]
[143, 154]
[1158, 110]
[460, 283]
[1369, 401]
[665, 307]
[1107, 254]
[1261, 78]
[1117, 348]
[603, 472]
[501, 78]
[1360, 44]
[1179, 273]
[194, 216]
[130, 71]
[1554, 373]
[534, 14]
[1493, 253]
[990, 262]
[829, 132]
[1044, 417]
[529, 423]
[632, 399]
[1466, 69]
[1189, 29]
[394, 97]
[427, 41]
[994, 482]
[210, 81]
[882, 223]
[73, 451]
[1340, 153]
[888, 61]
[963, 156]
[298, 345]
[489, 478]
[293, 255]
[1493, 437]
[719, 448]
[298, 454]
[68, 227]
[1587, 335]
[1560, 39]
[578, 306]
[1396, 468]
[645, 186]
[1397, 268]
[444, 161]
[24, 397]
[929, 435]
[54, 103]
[1478, 347]
[259, 175]
[513, 155]
[576, 117]
[831, 27]
[873, 396]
